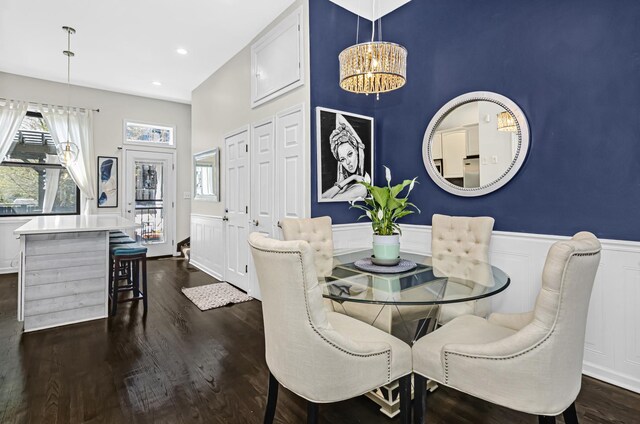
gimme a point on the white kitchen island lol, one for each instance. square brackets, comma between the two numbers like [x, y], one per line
[64, 273]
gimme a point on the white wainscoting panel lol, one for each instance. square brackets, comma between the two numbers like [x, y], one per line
[207, 244]
[612, 342]
[10, 244]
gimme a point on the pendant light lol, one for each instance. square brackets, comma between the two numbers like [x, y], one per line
[373, 67]
[506, 122]
[68, 152]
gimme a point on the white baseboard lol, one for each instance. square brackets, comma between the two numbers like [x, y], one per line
[612, 350]
[611, 377]
[206, 270]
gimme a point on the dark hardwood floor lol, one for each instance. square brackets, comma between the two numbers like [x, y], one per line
[181, 365]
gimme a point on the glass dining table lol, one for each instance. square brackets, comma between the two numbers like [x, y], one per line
[387, 299]
[406, 304]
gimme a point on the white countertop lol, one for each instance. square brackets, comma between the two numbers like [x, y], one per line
[74, 223]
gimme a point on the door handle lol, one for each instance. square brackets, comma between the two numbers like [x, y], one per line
[128, 211]
[255, 222]
[225, 218]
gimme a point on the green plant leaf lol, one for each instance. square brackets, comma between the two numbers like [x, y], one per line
[396, 189]
[380, 195]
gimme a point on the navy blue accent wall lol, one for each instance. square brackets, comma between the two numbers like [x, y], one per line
[573, 66]
[332, 28]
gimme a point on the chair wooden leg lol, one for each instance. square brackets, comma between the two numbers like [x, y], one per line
[405, 399]
[419, 398]
[135, 278]
[272, 399]
[545, 419]
[570, 415]
[312, 412]
[114, 291]
[145, 297]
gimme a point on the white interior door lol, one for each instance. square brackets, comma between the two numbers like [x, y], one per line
[150, 199]
[263, 197]
[237, 209]
[291, 169]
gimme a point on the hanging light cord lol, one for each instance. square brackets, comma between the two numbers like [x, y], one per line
[68, 53]
[373, 21]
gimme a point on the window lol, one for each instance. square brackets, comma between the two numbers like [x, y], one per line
[32, 182]
[149, 134]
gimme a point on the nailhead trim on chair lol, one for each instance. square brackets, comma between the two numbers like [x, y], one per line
[447, 353]
[384, 352]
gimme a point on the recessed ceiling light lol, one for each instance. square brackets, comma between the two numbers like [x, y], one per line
[156, 83]
[182, 51]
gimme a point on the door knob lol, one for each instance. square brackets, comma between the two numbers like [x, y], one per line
[255, 222]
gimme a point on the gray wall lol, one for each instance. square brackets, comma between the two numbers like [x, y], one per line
[108, 123]
[221, 104]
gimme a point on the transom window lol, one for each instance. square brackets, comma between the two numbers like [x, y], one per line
[32, 181]
[149, 134]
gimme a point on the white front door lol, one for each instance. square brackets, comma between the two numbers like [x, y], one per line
[237, 208]
[150, 199]
[263, 187]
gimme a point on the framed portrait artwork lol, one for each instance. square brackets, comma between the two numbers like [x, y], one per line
[344, 154]
[107, 182]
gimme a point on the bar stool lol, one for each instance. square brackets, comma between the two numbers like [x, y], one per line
[128, 262]
[125, 268]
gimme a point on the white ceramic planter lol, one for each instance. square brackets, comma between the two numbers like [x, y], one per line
[386, 247]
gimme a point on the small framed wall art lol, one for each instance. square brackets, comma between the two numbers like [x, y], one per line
[107, 182]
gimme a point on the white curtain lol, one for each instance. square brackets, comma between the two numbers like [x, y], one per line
[51, 180]
[82, 170]
[11, 114]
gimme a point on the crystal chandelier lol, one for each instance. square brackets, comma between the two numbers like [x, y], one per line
[506, 122]
[373, 67]
[68, 152]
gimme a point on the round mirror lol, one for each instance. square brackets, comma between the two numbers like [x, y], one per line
[475, 143]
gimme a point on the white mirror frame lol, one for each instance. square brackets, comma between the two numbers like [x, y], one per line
[215, 153]
[508, 174]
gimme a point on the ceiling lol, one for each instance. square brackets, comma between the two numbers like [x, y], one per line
[371, 9]
[126, 45]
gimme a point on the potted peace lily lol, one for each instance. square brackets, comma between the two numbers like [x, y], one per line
[384, 206]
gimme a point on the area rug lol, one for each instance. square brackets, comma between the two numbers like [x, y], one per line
[214, 295]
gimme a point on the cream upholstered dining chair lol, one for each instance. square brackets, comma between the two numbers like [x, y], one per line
[456, 239]
[322, 356]
[319, 234]
[529, 362]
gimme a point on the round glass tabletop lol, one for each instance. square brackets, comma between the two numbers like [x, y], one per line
[434, 281]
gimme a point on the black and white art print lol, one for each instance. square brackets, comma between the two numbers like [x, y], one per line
[107, 182]
[345, 154]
